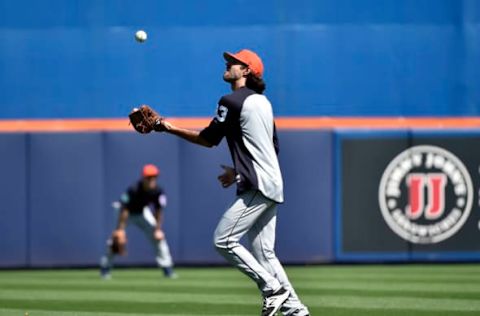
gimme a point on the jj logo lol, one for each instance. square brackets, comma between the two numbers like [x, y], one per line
[435, 189]
[425, 194]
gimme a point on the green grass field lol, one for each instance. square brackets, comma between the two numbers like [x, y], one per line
[327, 290]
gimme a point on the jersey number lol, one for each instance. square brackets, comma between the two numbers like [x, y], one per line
[222, 113]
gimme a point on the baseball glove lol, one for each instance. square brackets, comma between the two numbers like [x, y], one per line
[118, 242]
[145, 119]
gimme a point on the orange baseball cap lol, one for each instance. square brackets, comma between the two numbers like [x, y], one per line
[150, 171]
[248, 58]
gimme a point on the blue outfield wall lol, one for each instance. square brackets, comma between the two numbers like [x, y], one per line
[69, 59]
[57, 190]
[65, 184]
[14, 219]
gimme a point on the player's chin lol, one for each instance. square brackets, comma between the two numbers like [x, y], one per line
[227, 77]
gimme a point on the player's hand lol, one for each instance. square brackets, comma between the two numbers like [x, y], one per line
[227, 178]
[161, 125]
[165, 126]
[120, 235]
[158, 234]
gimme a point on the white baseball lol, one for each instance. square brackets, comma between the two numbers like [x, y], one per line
[141, 36]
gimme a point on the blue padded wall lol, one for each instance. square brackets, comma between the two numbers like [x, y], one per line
[66, 188]
[58, 189]
[304, 230]
[14, 209]
[203, 200]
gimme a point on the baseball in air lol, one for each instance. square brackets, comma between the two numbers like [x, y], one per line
[140, 36]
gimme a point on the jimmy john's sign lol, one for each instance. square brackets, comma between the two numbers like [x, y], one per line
[408, 195]
[425, 194]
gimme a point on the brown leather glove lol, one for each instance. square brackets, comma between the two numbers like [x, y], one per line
[118, 242]
[145, 119]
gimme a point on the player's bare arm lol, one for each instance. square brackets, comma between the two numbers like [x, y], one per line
[122, 219]
[192, 136]
[158, 233]
[159, 217]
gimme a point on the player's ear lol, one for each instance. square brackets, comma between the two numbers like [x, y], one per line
[246, 71]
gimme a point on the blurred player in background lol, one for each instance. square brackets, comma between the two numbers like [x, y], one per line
[245, 118]
[136, 206]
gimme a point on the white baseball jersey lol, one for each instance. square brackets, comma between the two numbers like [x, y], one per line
[245, 118]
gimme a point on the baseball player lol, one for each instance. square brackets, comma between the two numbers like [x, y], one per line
[245, 118]
[136, 206]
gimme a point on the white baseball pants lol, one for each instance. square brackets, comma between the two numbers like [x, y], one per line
[147, 223]
[255, 215]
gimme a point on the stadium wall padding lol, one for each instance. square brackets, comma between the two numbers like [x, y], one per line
[14, 197]
[58, 188]
[70, 59]
[374, 195]
[57, 191]
[65, 184]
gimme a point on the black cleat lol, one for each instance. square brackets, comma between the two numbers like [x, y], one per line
[169, 273]
[273, 302]
[301, 312]
[105, 273]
